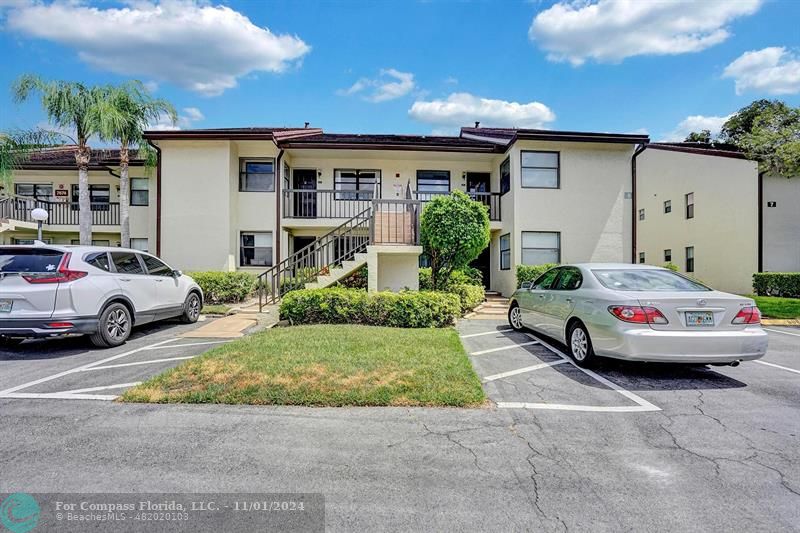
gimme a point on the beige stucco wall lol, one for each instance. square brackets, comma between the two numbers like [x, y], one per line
[393, 268]
[781, 224]
[142, 218]
[724, 230]
[589, 209]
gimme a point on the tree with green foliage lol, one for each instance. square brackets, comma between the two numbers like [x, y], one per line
[122, 116]
[69, 106]
[769, 132]
[702, 136]
[16, 148]
[454, 231]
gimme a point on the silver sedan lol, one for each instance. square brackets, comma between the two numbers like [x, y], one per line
[638, 313]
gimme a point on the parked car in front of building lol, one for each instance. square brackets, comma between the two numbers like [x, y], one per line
[638, 313]
[52, 290]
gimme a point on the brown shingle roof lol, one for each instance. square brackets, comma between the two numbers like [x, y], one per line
[508, 135]
[64, 157]
[389, 142]
[719, 150]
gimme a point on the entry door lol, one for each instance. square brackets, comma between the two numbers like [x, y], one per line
[482, 263]
[305, 203]
[478, 181]
[298, 243]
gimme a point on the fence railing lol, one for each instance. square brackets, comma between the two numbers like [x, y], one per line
[489, 199]
[395, 221]
[324, 203]
[59, 213]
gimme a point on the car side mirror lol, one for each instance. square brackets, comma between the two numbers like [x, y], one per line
[177, 273]
[526, 285]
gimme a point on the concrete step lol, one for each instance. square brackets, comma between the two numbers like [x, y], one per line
[490, 311]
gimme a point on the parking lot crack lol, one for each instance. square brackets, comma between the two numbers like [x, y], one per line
[449, 436]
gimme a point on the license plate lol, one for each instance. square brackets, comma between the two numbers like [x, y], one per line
[5, 305]
[699, 318]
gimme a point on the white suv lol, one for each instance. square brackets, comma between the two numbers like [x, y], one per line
[49, 290]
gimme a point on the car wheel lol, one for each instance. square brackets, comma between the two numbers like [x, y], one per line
[580, 346]
[515, 317]
[113, 327]
[191, 309]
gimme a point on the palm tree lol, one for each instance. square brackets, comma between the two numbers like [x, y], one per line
[122, 116]
[69, 105]
[16, 147]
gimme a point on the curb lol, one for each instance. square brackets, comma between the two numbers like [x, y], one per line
[780, 322]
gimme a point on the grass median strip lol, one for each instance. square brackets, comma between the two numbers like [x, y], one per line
[325, 365]
[777, 307]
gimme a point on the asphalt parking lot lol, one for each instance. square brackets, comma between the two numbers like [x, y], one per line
[72, 369]
[662, 448]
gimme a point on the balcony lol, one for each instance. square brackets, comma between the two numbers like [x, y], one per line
[59, 213]
[330, 203]
[324, 203]
[489, 199]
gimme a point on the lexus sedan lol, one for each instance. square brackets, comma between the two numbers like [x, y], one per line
[52, 290]
[638, 313]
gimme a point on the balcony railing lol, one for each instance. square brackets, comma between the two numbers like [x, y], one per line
[489, 199]
[59, 213]
[324, 203]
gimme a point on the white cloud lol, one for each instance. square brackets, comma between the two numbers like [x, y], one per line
[186, 119]
[772, 70]
[389, 85]
[451, 80]
[695, 123]
[608, 31]
[192, 44]
[462, 109]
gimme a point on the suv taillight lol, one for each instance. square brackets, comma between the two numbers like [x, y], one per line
[747, 315]
[61, 275]
[638, 315]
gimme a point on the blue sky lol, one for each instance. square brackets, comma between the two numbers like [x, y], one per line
[417, 67]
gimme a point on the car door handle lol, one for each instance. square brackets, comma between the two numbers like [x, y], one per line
[159, 280]
[124, 279]
[568, 299]
[541, 296]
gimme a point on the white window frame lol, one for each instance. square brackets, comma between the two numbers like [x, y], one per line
[557, 250]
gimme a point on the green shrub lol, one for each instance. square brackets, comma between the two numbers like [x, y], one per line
[471, 296]
[671, 266]
[463, 276]
[786, 284]
[531, 272]
[225, 287]
[408, 309]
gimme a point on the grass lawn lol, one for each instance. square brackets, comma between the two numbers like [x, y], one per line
[325, 365]
[776, 307]
[216, 309]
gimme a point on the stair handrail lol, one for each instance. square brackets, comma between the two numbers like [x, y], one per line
[303, 266]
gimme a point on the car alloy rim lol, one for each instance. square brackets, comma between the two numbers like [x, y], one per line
[516, 317]
[117, 323]
[194, 306]
[580, 345]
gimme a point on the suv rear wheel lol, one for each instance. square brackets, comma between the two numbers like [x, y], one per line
[114, 326]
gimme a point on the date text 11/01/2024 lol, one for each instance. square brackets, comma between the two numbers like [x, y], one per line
[210, 506]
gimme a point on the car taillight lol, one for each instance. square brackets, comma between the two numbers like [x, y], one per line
[61, 275]
[747, 315]
[637, 314]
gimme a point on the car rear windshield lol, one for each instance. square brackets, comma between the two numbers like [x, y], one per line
[29, 260]
[646, 280]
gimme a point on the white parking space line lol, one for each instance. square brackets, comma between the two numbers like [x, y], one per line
[500, 349]
[493, 332]
[587, 408]
[104, 387]
[784, 332]
[778, 366]
[523, 370]
[6, 393]
[137, 363]
[59, 396]
[184, 345]
[644, 404]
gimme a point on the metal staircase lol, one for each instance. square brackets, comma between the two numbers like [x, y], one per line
[343, 250]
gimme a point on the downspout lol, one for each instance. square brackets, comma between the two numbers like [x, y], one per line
[278, 181]
[158, 196]
[641, 148]
[761, 221]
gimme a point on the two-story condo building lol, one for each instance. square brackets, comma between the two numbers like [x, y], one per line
[253, 198]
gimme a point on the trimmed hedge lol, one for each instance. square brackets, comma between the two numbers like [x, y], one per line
[356, 280]
[464, 276]
[471, 296]
[786, 284]
[408, 309]
[225, 287]
[531, 272]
